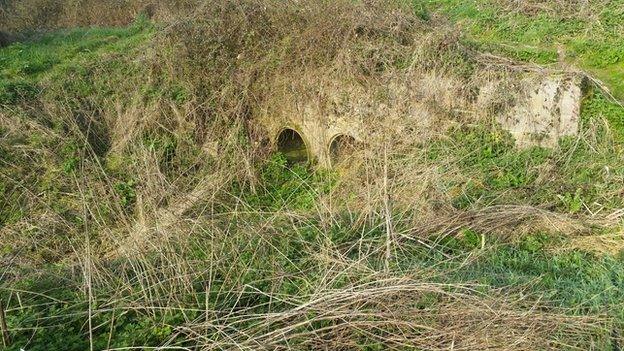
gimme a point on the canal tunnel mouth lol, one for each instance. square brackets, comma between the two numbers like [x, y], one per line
[290, 143]
[341, 148]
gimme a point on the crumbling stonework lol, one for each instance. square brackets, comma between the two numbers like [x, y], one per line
[535, 109]
[545, 109]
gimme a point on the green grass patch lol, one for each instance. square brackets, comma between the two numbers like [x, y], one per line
[287, 186]
[572, 178]
[23, 65]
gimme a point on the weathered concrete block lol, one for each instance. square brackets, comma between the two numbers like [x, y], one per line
[544, 109]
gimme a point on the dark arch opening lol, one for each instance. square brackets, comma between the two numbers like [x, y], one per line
[341, 148]
[291, 144]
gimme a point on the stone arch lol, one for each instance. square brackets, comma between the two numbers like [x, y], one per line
[341, 147]
[292, 144]
[6, 39]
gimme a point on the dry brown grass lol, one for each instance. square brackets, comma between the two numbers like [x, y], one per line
[344, 303]
[188, 233]
[579, 9]
[38, 15]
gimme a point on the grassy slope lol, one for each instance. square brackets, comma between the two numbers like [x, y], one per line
[24, 65]
[590, 39]
[579, 280]
[594, 43]
[61, 65]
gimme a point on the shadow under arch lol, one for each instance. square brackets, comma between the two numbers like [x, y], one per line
[341, 147]
[291, 143]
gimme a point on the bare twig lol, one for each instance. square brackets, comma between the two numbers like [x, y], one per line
[6, 340]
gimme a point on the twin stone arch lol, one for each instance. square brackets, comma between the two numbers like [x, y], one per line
[297, 148]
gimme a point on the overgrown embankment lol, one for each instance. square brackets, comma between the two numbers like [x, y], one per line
[582, 34]
[141, 206]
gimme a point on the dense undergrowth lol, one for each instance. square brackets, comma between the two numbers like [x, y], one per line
[140, 208]
[283, 263]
